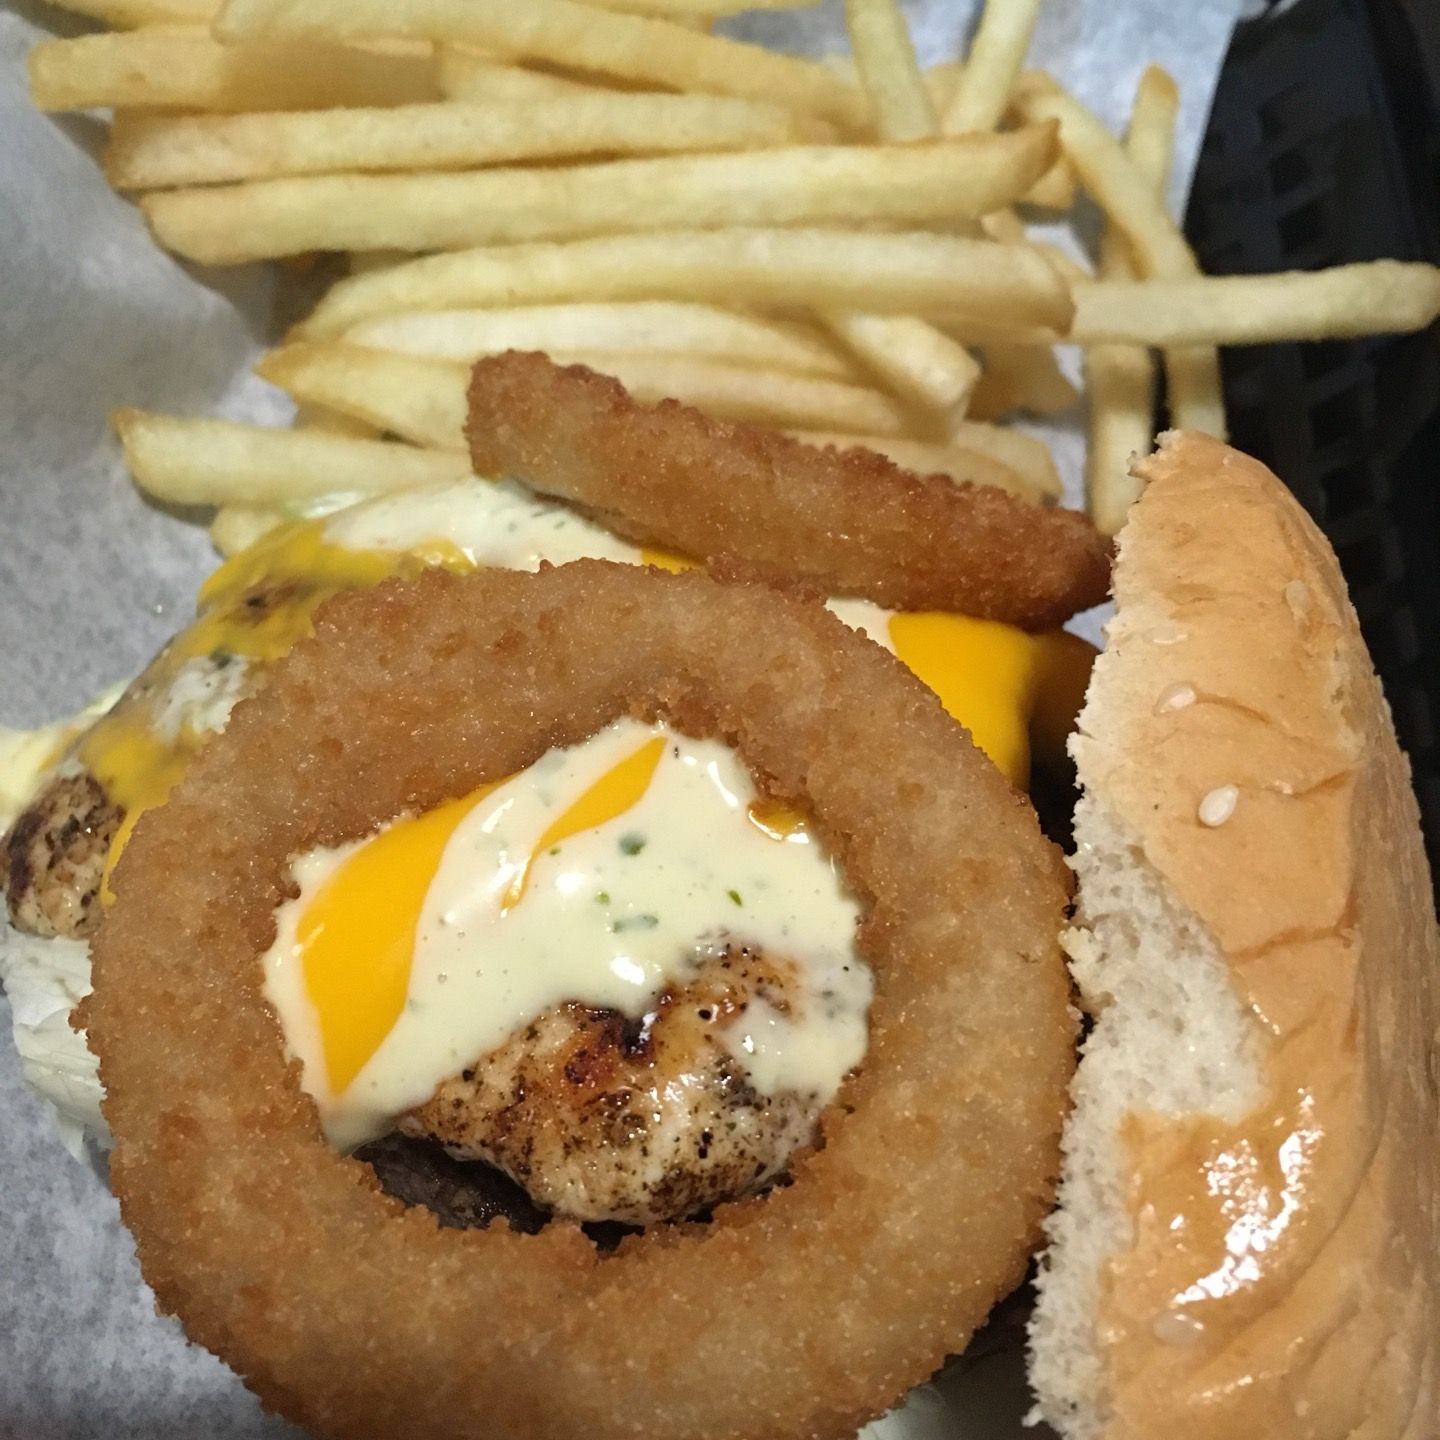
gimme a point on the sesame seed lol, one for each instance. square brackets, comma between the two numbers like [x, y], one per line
[1219, 805]
[1175, 697]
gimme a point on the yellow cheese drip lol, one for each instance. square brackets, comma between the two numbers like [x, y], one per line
[775, 819]
[1007, 687]
[984, 674]
[608, 798]
[666, 560]
[356, 940]
[258, 604]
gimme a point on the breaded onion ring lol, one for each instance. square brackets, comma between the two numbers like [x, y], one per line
[800, 1313]
[848, 521]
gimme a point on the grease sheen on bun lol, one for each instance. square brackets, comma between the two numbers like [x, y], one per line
[1249, 1238]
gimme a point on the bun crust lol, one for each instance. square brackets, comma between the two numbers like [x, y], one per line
[1262, 1250]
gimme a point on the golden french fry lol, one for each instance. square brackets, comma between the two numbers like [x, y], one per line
[758, 397]
[885, 57]
[795, 185]
[568, 34]
[179, 70]
[940, 82]
[238, 527]
[470, 75]
[423, 399]
[150, 152]
[132, 14]
[1122, 192]
[1007, 226]
[1120, 379]
[1055, 189]
[1133, 201]
[1026, 455]
[419, 399]
[220, 462]
[692, 12]
[918, 362]
[996, 55]
[318, 417]
[1021, 378]
[1194, 392]
[972, 467]
[1150, 139]
[1011, 286]
[1120, 385]
[1066, 264]
[1194, 395]
[1378, 297]
[654, 327]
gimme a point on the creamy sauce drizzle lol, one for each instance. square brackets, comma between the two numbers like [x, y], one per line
[610, 917]
[490, 522]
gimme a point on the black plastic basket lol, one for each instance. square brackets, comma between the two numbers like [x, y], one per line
[1323, 148]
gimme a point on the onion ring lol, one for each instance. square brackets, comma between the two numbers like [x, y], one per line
[847, 521]
[804, 1312]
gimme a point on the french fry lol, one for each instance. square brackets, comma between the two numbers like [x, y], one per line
[1194, 395]
[757, 397]
[918, 362]
[941, 82]
[1055, 189]
[1005, 285]
[132, 14]
[1120, 383]
[238, 527]
[996, 55]
[698, 11]
[177, 70]
[654, 327]
[423, 399]
[885, 58]
[1377, 297]
[1122, 192]
[1021, 378]
[318, 417]
[926, 458]
[469, 75]
[1150, 139]
[220, 462]
[568, 34]
[1027, 456]
[796, 185]
[151, 152]
[1120, 379]
[419, 399]
[1133, 201]
[1007, 226]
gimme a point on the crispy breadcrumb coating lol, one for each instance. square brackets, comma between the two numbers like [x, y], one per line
[800, 1313]
[847, 521]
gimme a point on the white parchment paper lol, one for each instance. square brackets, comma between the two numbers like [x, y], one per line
[93, 580]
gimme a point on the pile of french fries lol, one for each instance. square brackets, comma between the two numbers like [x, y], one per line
[837, 249]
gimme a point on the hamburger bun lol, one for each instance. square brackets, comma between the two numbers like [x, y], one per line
[1248, 1239]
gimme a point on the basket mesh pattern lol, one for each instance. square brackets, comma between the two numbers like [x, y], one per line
[1321, 150]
